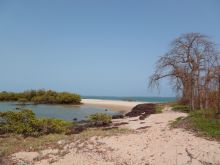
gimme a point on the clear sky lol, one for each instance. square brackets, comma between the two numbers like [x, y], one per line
[95, 47]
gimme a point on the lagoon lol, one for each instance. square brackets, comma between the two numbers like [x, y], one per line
[65, 112]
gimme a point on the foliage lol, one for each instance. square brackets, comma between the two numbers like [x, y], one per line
[102, 117]
[41, 97]
[25, 122]
[203, 121]
[22, 100]
[180, 107]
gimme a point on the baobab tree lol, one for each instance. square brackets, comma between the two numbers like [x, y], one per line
[188, 64]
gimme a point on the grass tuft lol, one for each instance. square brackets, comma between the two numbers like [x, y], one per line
[180, 108]
[159, 108]
[202, 122]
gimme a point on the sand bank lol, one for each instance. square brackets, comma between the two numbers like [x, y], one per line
[116, 105]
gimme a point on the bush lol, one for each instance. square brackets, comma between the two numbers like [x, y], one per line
[53, 126]
[22, 100]
[41, 97]
[26, 123]
[66, 98]
[100, 117]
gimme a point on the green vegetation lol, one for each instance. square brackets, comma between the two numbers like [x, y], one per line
[204, 122]
[176, 122]
[41, 97]
[180, 107]
[26, 123]
[159, 108]
[100, 117]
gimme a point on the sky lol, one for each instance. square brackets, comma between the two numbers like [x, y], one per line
[95, 47]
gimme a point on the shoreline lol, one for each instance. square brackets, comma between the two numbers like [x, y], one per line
[150, 141]
[114, 105]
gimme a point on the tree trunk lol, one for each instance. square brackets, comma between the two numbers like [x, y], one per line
[206, 96]
[219, 94]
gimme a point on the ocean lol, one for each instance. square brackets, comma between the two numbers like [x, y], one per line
[141, 99]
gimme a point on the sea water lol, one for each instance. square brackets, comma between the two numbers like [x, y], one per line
[132, 98]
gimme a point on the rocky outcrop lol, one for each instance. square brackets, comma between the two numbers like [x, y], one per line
[142, 110]
[76, 129]
[118, 116]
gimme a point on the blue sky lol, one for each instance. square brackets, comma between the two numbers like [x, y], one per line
[95, 47]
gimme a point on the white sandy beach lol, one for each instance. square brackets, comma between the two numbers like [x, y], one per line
[152, 143]
[122, 106]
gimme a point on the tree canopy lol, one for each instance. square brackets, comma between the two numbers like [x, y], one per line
[192, 65]
[41, 97]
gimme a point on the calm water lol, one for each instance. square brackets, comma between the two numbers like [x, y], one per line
[67, 112]
[143, 99]
[70, 112]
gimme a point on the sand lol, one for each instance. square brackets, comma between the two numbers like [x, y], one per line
[155, 144]
[115, 105]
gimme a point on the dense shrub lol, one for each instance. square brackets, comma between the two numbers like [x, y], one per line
[53, 126]
[26, 123]
[100, 117]
[41, 97]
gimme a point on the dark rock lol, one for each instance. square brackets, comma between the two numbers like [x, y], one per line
[83, 125]
[142, 110]
[134, 120]
[143, 127]
[101, 124]
[77, 129]
[106, 110]
[109, 128]
[122, 123]
[75, 119]
[119, 116]
[144, 116]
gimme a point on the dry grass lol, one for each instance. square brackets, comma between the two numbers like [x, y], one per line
[11, 143]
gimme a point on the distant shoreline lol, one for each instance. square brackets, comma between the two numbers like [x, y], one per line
[133, 98]
[114, 105]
